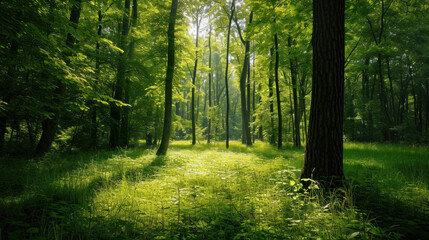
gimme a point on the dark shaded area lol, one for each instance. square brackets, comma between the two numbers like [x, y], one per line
[372, 189]
[27, 206]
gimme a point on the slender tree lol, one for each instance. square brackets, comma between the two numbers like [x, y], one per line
[169, 81]
[294, 75]
[194, 75]
[226, 73]
[323, 160]
[279, 106]
[270, 96]
[115, 110]
[210, 86]
[124, 128]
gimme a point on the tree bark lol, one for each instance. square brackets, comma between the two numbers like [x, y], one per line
[49, 125]
[194, 76]
[270, 97]
[210, 87]
[226, 74]
[169, 82]
[115, 110]
[323, 160]
[244, 73]
[293, 74]
[279, 107]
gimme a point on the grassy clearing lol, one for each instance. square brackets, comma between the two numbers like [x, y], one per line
[205, 192]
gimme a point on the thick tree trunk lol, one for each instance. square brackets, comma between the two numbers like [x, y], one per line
[279, 106]
[169, 82]
[226, 74]
[323, 160]
[49, 125]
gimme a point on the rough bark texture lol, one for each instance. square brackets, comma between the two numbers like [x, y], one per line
[49, 125]
[323, 160]
[169, 82]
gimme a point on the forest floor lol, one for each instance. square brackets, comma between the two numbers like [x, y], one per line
[206, 192]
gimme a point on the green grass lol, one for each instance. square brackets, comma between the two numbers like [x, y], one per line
[206, 192]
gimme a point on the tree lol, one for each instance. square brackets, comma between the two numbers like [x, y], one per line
[279, 106]
[245, 72]
[115, 112]
[293, 74]
[49, 125]
[198, 18]
[226, 73]
[323, 159]
[210, 86]
[169, 81]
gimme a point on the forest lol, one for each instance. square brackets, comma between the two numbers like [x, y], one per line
[214, 119]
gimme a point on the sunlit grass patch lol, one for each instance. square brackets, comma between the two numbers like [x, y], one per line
[202, 192]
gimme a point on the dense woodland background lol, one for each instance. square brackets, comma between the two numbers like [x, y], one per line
[90, 74]
[94, 82]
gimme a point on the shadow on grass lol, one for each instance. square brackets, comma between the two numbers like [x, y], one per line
[380, 174]
[392, 215]
[39, 205]
[411, 163]
[16, 173]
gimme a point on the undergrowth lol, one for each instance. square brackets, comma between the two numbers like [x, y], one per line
[195, 192]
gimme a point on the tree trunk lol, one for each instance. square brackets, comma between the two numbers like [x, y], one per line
[210, 87]
[194, 76]
[323, 160]
[270, 96]
[244, 115]
[49, 125]
[94, 127]
[254, 99]
[293, 74]
[115, 110]
[124, 128]
[226, 74]
[169, 82]
[279, 107]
